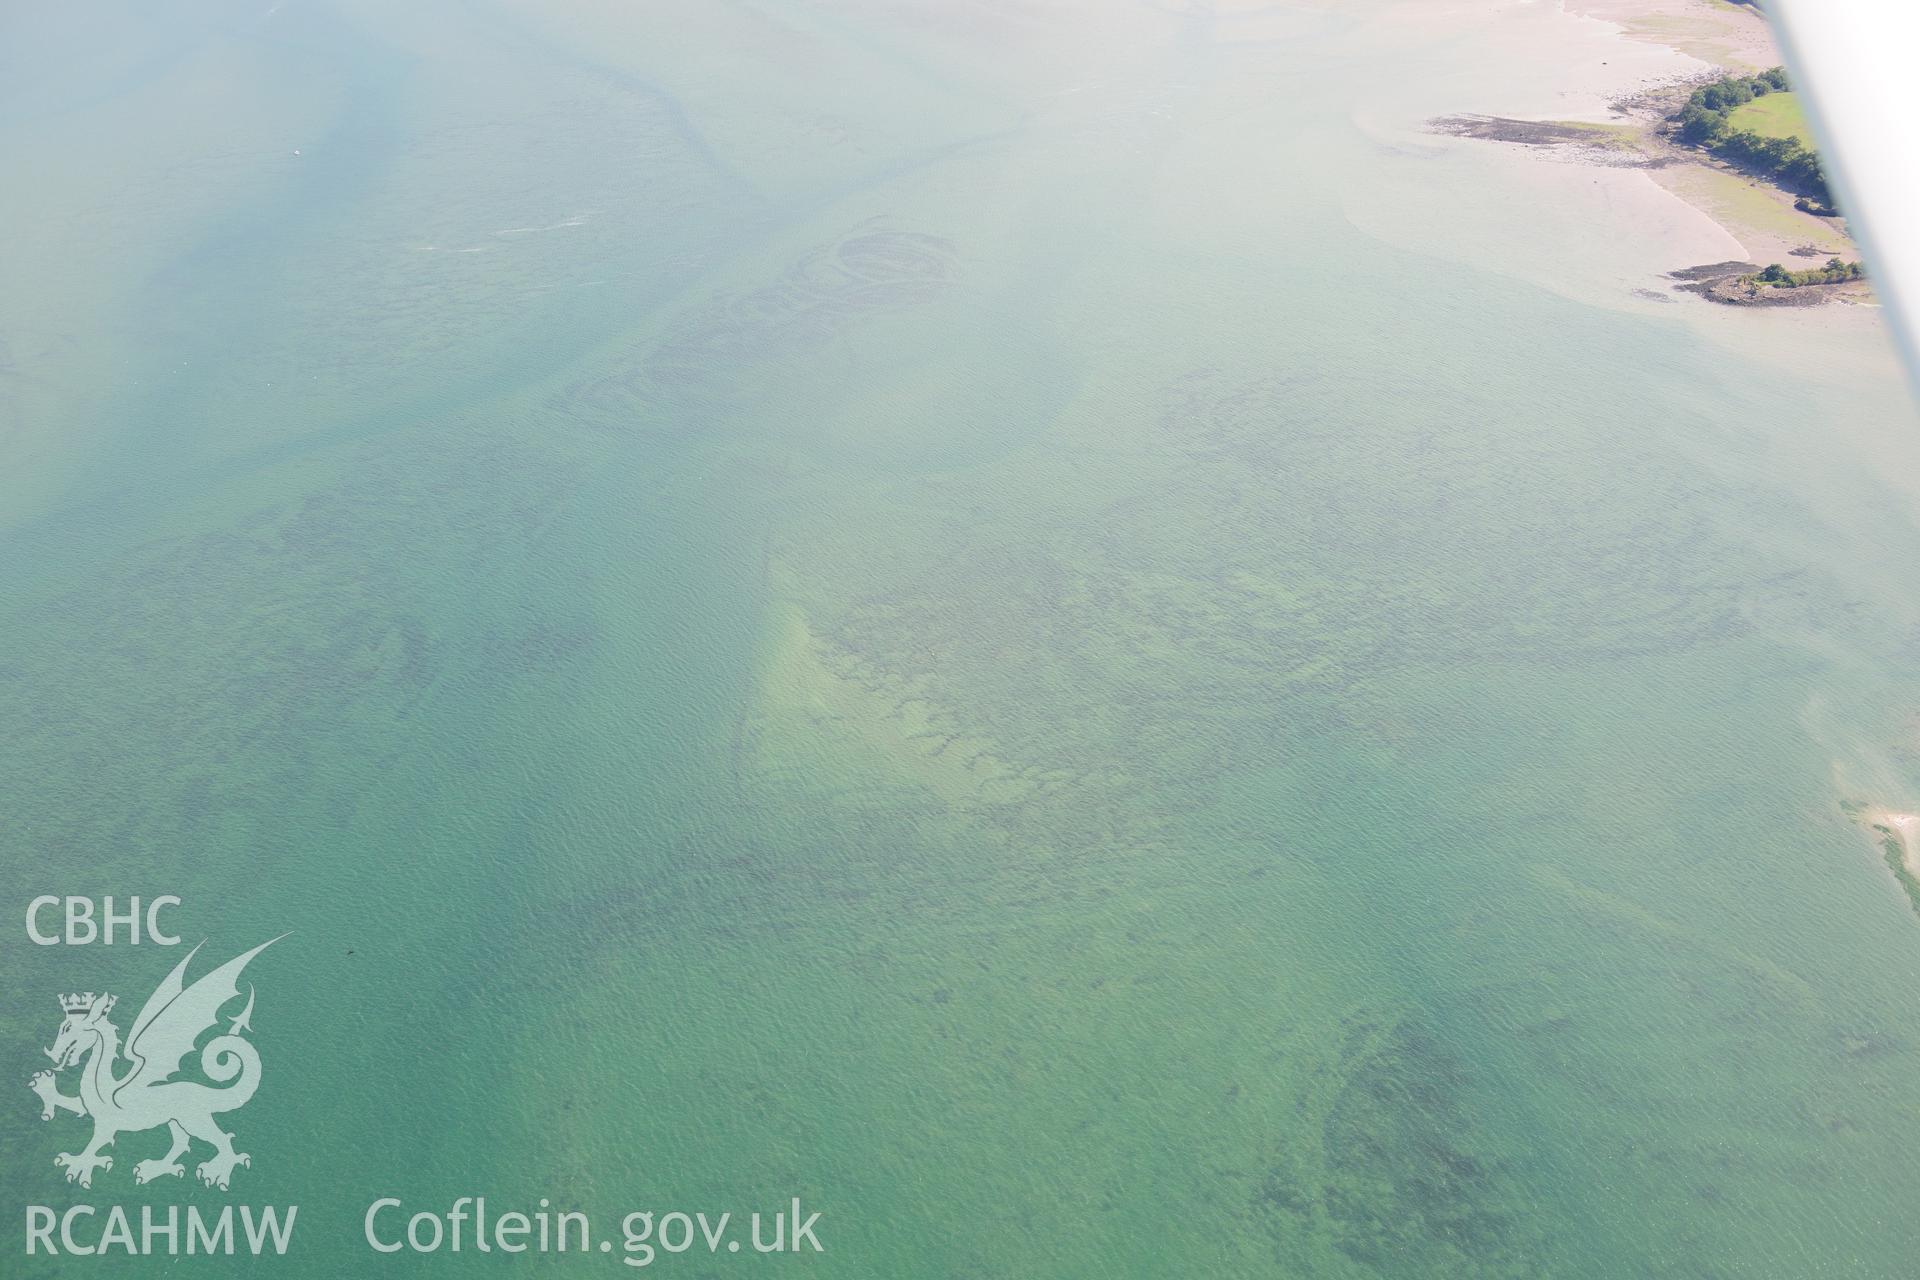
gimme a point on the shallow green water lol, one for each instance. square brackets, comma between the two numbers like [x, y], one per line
[895, 605]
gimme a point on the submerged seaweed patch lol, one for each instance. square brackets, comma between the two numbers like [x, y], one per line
[1895, 854]
[1395, 1176]
[695, 367]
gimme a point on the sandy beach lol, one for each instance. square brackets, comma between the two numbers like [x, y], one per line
[1733, 39]
[1732, 36]
[1600, 79]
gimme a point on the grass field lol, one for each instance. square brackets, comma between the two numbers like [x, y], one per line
[1778, 115]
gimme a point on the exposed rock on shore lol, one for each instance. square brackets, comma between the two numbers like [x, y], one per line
[1731, 284]
[1599, 143]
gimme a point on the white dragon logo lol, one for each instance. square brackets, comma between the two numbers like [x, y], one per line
[146, 1095]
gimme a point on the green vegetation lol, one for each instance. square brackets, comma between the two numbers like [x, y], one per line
[1730, 93]
[1835, 272]
[1773, 115]
[1709, 122]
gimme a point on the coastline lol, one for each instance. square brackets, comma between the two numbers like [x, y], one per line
[1759, 221]
[1760, 215]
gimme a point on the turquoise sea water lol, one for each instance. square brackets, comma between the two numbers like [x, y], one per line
[896, 604]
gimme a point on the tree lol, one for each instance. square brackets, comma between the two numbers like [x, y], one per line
[1699, 126]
